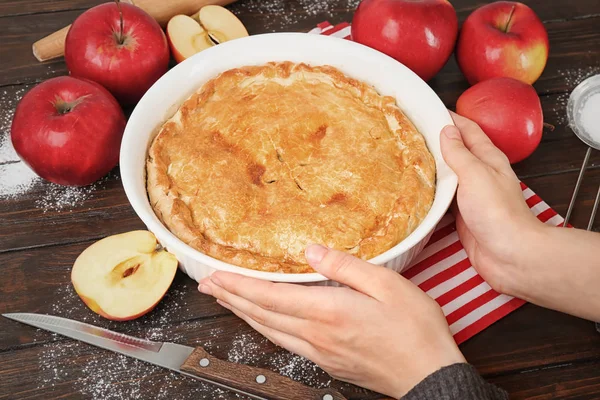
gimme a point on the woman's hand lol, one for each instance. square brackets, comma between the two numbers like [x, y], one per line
[382, 333]
[494, 223]
[514, 252]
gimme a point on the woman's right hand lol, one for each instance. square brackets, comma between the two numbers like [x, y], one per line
[512, 250]
[494, 223]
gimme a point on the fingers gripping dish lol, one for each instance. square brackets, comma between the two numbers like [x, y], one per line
[264, 160]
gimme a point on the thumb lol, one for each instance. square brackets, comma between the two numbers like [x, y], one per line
[349, 270]
[458, 157]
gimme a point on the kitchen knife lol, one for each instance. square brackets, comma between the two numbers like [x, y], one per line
[256, 383]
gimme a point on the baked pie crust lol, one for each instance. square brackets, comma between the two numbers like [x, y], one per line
[264, 160]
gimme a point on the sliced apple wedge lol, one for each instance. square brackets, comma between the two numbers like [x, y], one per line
[208, 27]
[186, 37]
[221, 24]
[123, 277]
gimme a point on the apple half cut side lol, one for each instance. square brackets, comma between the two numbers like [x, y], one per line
[124, 276]
[208, 27]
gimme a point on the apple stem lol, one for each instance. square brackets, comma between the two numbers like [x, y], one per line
[120, 37]
[64, 107]
[512, 11]
[549, 126]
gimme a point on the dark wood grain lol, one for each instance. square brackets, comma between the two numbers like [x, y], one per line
[39, 281]
[532, 337]
[532, 353]
[28, 222]
[579, 381]
[572, 41]
[281, 10]
[11, 8]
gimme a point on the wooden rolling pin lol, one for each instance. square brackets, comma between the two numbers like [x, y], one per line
[53, 45]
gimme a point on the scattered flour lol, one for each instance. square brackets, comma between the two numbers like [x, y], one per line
[16, 179]
[8, 103]
[572, 78]
[105, 375]
[560, 109]
[153, 326]
[282, 15]
[59, 198]
[246, 349]
[110, 376]
[300, 369]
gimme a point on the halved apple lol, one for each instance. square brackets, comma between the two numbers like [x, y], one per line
[208, 27]
[124, 276]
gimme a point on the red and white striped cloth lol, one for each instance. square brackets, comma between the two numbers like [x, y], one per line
[443, 270]
[445, 273]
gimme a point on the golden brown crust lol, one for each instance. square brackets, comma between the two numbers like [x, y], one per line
[265, 160]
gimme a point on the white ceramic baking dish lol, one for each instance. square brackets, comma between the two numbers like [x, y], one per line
[389, 77]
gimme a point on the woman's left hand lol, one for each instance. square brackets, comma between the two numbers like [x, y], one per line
[382, 333]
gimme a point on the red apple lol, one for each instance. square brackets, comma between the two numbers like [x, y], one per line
[502, 39]
[508, 111]
[418, 33]
[127, 60]
[68, 130]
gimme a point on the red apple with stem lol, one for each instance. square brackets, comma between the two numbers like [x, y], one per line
[502, 39]
[120, 46]
[508, 111]
[419, 33]
[68, 130]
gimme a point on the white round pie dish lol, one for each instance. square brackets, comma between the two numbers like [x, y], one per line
[417, 100]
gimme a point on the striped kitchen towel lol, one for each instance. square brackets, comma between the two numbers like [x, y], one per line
[445, 273]
[443, 270]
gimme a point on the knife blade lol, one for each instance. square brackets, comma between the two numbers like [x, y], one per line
[196, 363]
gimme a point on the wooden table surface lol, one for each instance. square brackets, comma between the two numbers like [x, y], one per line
[532, 353]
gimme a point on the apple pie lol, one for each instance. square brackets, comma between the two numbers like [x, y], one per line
[264, 160]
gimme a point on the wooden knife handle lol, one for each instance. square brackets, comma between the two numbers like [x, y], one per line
[253, 380]
[53, 45]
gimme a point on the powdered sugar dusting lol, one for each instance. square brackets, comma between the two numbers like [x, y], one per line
[8, 103]
[105, 375]
[572, 78]
[244, 349]
[293, 13]
[7, 151]
[300, 369]
[153, 326]
[311, 7]
[16, 178]
[59, 198]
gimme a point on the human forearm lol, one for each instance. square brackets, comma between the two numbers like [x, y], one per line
[561, 271]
